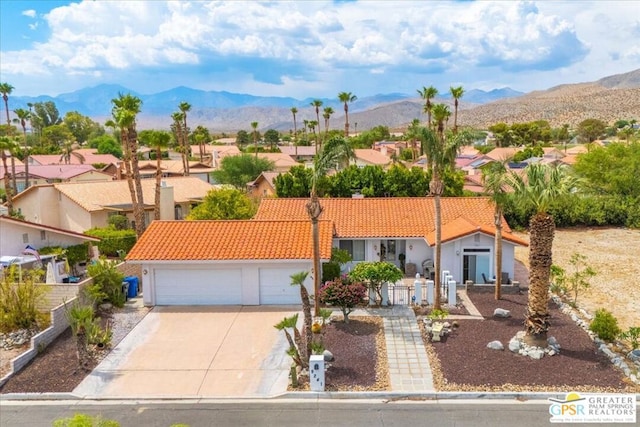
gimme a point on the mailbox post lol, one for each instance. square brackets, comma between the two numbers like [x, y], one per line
[316, 372]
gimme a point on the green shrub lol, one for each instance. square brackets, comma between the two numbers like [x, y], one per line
[107, 283]
[633, 336]
[84, 420]
[113, 240]
[83, 316]
[605, 325]
[20, 298]
[330, 270]
[118, 222]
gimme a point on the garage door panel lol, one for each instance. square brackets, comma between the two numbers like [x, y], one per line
[198, 287]
[275, 286]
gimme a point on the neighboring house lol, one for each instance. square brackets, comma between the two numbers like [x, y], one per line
[84, 156]
[368, 157]
[263, 185]
[16, 234]
[474, 184]
[372, 229]
[502, 153]
[49, 174]
[174, 168]
[226, 262]
[305, 153]
[281, 162]
[81, 206]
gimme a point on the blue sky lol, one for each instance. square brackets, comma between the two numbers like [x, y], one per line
[313, 48]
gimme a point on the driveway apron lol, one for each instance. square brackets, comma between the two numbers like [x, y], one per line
[197, 351]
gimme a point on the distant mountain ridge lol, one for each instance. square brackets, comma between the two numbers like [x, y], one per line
[611, 97]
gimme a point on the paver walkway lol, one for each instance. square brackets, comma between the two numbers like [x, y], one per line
[409, 369]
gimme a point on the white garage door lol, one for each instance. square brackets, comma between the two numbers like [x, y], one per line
[198, 287]
[275, 286]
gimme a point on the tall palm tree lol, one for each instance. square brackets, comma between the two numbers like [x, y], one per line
[428, 93]
[456, 93]
[540, 185]
[178, 130]
[67, 149]
[312, 127]
[7, 144]
[254, 126]
[439, 150]
[294, 111]
[495, 181]
[346, 98]
[316, 103]
[159, 140]
[184, 108]
[124, 112]
[328, 111]
[22, 117]
[6, 89]
[413, 132]
[336, 150]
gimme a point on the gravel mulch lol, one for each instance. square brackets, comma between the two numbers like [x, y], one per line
[462, 361]
[56, 369]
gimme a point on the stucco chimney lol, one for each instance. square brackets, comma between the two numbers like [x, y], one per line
[166, 201]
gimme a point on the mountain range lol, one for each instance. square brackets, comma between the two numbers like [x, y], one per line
[610, 98]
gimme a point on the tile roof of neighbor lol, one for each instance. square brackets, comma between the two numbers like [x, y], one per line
[303, 150]
[57, 171]
[4, 218]
[93, 196]
[280, 160]
[265, 176]
[86, 156]
[371, 156]
[174, 166]
[400, 217]
[230, 240]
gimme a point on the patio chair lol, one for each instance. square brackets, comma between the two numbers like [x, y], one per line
[485, 279]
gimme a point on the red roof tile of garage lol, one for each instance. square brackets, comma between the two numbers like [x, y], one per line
[230, 240]
[394, 216]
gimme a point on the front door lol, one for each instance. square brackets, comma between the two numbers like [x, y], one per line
[476, 265]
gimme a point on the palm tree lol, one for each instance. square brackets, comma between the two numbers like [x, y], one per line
[413, 132]
[124, 112]
[184, 108]
[7, 145]
[6, 89]
[540, 185]
[159, 140]
[312, 127]
[428, 93]
[67, 149]
[24, 115]
[439, 151]
[346, 98]
[495, 181]
[328, 111]
[316, 103]
[456, 93]
[178, 130]
[336, 150]
[294, 111]
[254, 126]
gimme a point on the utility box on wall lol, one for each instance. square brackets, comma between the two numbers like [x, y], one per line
[316, 372]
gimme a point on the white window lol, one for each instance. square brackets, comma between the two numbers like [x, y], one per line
[354, 247]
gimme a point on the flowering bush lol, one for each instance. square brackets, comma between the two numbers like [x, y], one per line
[343, 293]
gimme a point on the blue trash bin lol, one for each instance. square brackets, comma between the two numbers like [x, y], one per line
[132, 292]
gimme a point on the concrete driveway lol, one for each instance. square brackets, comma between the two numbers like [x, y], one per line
[230, 351]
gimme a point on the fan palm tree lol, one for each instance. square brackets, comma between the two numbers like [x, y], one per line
[346, 98]
[540, 185]
[294, 111]
[5, 90]
[428, 93]
[327, 112]
[413, 132]
[22, 117]
[312, 127]
[178, 130]
[157, 139]
[316, 103]
[495, 181]
[184, 108]
[254, 126]
[7, 144]
[124, 112]
[439, 150]
[456, 93]
[336, 150]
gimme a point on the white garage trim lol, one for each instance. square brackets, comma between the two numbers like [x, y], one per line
[192, 286]
[275, 286]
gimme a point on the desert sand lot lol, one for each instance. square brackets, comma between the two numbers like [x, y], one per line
[614, 253]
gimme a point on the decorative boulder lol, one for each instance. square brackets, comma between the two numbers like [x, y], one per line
[514, 345]
[501, 312]
[495, 345]
[328, 356]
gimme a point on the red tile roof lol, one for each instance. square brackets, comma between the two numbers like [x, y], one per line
[400, 217]
[230, 240]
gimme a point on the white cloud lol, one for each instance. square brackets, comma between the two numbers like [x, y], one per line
[310, 44]
[30, 13]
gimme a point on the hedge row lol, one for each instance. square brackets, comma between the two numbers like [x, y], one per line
[113, 240]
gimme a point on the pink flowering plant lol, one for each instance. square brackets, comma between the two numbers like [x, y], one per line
[344, 293]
